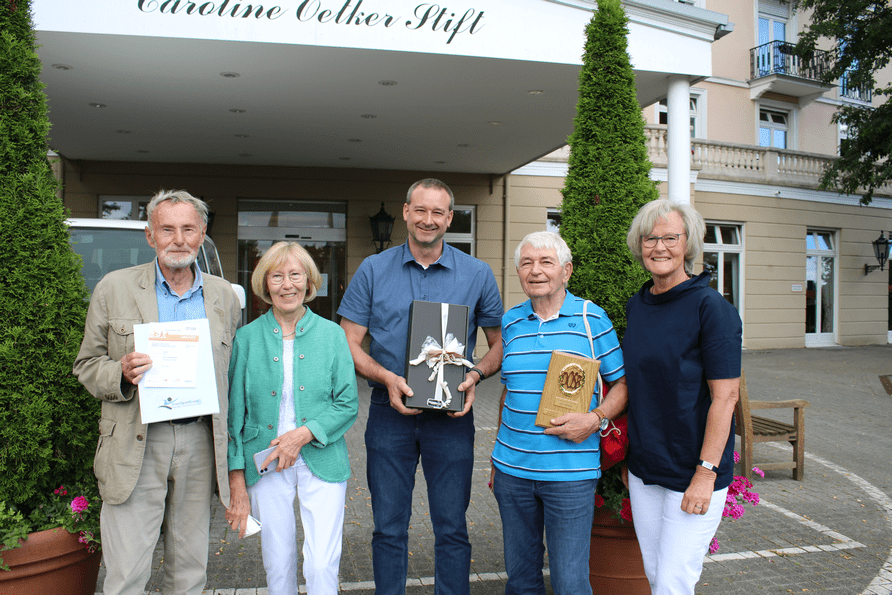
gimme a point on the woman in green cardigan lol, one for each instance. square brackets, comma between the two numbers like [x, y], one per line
[292, 386]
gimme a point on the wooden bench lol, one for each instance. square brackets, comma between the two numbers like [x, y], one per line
[752, 429]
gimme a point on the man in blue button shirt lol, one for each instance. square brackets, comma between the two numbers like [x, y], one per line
[377, 302]
[159, 475]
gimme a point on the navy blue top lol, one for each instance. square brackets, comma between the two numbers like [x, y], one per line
[674, 343]
[384, 286]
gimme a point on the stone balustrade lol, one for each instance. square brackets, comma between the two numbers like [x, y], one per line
[743, 163]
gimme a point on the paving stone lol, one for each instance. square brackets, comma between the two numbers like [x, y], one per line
[828, 534]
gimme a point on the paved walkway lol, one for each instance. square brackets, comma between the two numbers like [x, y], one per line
[830, 533]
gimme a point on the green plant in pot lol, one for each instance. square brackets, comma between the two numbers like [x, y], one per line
[48, 422]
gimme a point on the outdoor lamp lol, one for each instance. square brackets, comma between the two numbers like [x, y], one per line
[382, 226]
[881, 251]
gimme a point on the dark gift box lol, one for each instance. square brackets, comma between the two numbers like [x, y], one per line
[433, 326]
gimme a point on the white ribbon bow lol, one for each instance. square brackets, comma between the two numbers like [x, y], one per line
[451, 352]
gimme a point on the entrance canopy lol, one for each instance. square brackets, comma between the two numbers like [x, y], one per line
[480, 86]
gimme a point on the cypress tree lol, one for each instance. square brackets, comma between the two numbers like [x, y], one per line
[608, 169]
[48, 421]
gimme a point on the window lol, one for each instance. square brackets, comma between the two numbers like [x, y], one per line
[125, 208]
[553, 221]
[820, 293]
[695, 105]
[461, 232]
[772, 33]
[773, 128]
[843, 134]
[722, 252]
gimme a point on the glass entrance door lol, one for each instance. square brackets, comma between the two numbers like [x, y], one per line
[820, 279]
[320, 227]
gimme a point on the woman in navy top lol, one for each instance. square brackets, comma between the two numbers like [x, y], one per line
[682, 354]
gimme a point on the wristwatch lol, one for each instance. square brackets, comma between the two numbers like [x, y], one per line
[708, 466]
[479, 373]
[605, 421]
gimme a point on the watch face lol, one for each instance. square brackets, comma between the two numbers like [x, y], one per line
[604, 423]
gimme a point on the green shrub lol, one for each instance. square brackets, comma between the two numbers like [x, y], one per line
[48, 421]
[608, 177]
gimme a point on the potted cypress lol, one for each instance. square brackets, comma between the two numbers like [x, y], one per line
[606, 185]
[48, 422]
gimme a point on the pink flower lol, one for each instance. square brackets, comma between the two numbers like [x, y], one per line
[736, 511]
[752, 498]
[58, 490]
[714, 544]
[79, 504]
[599, 500]
[758, 472]
[736, 459]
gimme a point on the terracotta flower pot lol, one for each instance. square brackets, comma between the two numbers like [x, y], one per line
[615, 564]
[50, 562]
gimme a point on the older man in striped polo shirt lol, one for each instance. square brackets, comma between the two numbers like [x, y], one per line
[547, 478]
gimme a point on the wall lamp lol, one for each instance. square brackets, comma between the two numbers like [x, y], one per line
[382, 227]
[881, 251]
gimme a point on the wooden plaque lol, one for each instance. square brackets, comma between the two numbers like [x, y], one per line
[569, 386]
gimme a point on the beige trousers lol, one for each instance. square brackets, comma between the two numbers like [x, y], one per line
[173, 493]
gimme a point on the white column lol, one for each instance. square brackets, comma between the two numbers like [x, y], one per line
[679, 139]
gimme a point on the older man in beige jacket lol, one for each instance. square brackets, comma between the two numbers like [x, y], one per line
[159, 475]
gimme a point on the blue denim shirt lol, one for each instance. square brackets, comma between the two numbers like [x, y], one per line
[384, 286]
[172, 307]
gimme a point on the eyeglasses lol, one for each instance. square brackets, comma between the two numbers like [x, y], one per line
[278, 278]
[669, 240]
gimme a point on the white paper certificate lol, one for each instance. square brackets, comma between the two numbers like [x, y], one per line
[174, 353]
[182, 381]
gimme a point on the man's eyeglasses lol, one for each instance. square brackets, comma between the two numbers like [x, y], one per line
[669, 240]
[278, 278]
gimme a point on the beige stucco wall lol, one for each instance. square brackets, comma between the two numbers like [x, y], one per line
[774, 243]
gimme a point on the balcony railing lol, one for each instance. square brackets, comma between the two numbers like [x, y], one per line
[743, 163]
[857, 93]
[777, 57]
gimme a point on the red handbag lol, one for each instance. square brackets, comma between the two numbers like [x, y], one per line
[615, 439]
[615, 442]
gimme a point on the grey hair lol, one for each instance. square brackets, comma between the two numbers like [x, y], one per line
[431, 183]
[547, 240]
[646, 220]
[175, 196]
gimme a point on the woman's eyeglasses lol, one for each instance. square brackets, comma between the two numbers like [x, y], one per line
[669, 240]
[278, 278]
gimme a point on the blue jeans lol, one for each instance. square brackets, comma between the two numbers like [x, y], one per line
[564, 509]
[445, 445]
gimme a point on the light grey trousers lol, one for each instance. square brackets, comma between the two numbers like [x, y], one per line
[173, 492]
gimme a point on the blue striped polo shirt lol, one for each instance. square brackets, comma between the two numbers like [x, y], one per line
[523, 449]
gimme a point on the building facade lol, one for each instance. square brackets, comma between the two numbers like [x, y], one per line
[301, 120]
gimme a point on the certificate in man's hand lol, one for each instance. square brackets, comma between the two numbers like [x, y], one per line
[174, 353]
[181, 382]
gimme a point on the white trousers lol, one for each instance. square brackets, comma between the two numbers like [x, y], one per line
[322, 518]
[673, 542]
[174, 491]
